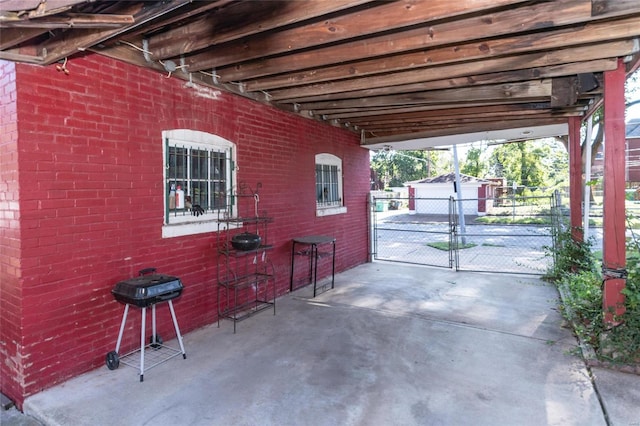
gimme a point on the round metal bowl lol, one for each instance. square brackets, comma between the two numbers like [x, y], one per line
[246, 241]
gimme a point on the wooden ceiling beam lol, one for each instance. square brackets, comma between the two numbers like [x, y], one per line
[240, 20]
[604, 7]
[564, 38]
[564, 91]
[359, 117]
[16, 9]
[71, 20]
[15, 36]
[396, 69]
[178, 19]
[526, 90]
[341, 113]
[355, 113]
[479, 115]
[537, 17]
[21, 57]
[496, 109]
[467, 78]
[381, 18]
[453, 129]
[417, 127]
[69, 42]
[489, 111]
[370, 85]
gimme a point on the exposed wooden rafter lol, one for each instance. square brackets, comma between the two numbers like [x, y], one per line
[389, 69]
[213, 29]
[70, 20]
[422, 40]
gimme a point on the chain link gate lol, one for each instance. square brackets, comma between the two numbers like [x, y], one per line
[515, 243]
[402, 237]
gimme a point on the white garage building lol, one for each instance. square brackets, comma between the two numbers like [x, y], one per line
[431, 195]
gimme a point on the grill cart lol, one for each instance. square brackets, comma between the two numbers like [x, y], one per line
[145, 291]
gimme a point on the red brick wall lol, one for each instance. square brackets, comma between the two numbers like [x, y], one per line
[11, 361]
[92, 209]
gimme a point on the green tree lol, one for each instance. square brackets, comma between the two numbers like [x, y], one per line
[504, 162]
[529, 163]
[474, 163]
[394, 168]
[555, 163]
[531, 171]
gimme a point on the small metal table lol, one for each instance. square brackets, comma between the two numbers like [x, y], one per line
[310, 248]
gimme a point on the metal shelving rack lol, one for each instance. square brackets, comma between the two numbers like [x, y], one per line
[245, 279]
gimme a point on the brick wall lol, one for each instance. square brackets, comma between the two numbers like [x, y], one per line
[91, 198]
[11, 362]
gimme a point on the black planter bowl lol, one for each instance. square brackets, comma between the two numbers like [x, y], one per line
[246, 241]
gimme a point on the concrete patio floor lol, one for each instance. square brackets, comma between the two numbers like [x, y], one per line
[392, 344]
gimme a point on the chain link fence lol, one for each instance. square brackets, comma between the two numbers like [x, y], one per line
[511, 237]
[403, 237]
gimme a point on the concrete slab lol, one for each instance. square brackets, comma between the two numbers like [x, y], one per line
[391, 344]
[13, 417]
[620, 393]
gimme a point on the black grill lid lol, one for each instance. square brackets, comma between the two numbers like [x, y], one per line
[147, 289]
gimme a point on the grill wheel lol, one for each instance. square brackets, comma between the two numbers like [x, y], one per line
[112, 360]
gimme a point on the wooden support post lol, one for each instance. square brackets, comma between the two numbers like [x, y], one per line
[575, 179]
[614, 244]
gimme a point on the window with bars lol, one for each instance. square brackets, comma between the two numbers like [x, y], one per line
[329, 198]
[199, 174]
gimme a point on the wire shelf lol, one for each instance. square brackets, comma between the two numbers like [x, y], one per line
[154, 355]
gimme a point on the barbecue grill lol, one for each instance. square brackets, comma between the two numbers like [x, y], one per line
[146, 290]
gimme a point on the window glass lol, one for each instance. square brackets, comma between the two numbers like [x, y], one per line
[329, 185]
[327, 192]
[199, 175]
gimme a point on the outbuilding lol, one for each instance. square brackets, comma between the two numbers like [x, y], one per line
[432, 195]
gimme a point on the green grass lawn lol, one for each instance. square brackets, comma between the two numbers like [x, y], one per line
[524, 220]
[444, 246]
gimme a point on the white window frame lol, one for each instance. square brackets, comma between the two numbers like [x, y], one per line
[326, 159]
[188, 224]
